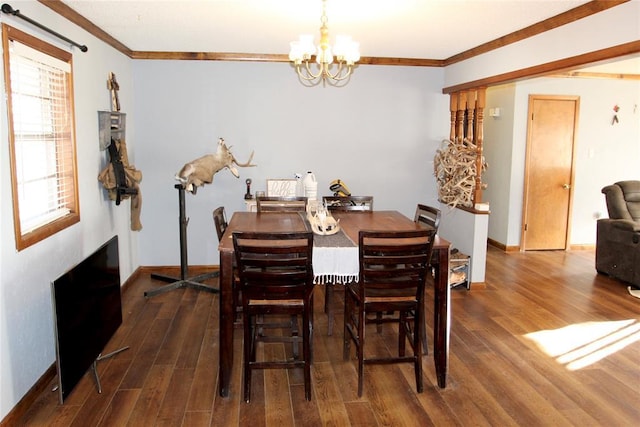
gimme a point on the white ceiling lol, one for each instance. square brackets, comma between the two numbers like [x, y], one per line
[426, 29]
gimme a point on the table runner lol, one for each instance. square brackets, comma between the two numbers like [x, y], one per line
[335, 257]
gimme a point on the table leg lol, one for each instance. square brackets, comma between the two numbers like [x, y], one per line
[442, 316]
[328, 306]
[227, 314]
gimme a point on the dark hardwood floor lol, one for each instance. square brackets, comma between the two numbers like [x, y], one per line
[547, 343]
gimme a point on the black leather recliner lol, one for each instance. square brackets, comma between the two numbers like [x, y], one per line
[618, 237]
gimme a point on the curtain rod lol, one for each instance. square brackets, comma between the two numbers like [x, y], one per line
[6, 8]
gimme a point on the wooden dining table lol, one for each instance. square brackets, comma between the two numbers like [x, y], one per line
[351, 223]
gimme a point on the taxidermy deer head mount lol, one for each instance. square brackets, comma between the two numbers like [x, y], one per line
[200, 171]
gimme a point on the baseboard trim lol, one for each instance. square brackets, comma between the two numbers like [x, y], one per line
[134, 276]
[21, 408]
[477, 286]
[170, 269]
[502, 246]
[584, 247]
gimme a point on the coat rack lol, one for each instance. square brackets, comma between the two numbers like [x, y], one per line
[183, 281]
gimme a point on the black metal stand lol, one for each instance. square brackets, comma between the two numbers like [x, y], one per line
[100, 358]
[182, 281]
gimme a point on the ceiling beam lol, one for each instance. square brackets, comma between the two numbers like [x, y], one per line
[592, 75]
[564, 18]
[561, 65]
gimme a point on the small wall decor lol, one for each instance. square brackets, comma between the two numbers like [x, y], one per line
[113, 87]
[119, 178]
[615, 120]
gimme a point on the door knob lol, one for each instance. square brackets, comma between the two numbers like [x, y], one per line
[566, 186]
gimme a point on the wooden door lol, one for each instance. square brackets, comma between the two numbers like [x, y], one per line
[549, 171]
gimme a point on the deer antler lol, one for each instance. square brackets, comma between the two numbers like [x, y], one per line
[244, 165]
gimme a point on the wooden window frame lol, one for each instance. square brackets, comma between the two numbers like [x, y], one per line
[64, 137]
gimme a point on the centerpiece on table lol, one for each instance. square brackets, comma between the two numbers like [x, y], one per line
[321, 220]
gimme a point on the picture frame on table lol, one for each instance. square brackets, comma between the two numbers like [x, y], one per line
[281, 187]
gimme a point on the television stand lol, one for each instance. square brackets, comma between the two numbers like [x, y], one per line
[98, 359]
[183, 281]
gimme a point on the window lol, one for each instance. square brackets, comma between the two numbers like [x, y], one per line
[38, 82]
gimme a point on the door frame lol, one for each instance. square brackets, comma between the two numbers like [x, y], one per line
[527, 167]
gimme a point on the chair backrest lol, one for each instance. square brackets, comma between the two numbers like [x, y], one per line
[220, 220]
[394, 262]
[349, 203]
[623, 200]
[427, 216]
[281, 204]
[274, 266]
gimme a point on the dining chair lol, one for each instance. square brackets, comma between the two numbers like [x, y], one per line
[276, 279]
[343, 204]
[393, 270]
[348, 203]
[427, 216]
[220, 221]
[281, 204]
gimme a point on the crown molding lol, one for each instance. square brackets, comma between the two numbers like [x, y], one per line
[567, 17]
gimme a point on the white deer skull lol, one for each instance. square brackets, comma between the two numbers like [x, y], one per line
[200, 171]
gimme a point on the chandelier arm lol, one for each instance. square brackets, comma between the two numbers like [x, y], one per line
[299, 71]
[310, 75]
[302, 76]
[341, 73]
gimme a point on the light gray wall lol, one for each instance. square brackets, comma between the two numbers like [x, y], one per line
[604, 153]
[378, 134]
[498, 152]
[27, 347]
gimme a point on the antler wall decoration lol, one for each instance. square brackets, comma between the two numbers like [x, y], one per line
[459, 163]
[455, 168]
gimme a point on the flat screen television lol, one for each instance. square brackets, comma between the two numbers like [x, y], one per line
[87, 310]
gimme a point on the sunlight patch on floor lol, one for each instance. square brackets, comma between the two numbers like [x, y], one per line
[582, 344]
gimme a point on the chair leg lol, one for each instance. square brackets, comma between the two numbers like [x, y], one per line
[295, 334]
[328, 307]
[402, 333]
[346, 339]
[327, 297]
[360, 347]
[419, 327]
[311, 326]
[249, 342]
[306, 349]
[354, 329]
[423, 336]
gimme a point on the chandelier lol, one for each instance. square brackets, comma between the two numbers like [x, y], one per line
[346, 54]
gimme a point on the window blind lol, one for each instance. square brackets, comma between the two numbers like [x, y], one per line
[43, 146]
